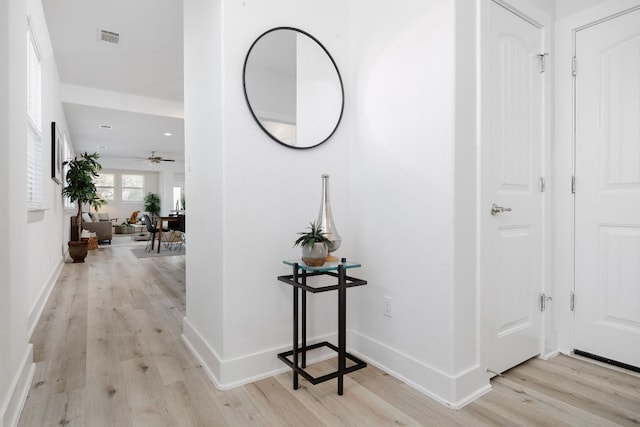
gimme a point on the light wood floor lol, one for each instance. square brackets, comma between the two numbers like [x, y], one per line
[108, 352]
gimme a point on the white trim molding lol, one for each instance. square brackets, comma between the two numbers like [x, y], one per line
[38, 306]
[12, 406]
[454, 391]
[234, 372]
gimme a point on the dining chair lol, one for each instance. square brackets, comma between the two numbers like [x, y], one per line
[177, 238]
[152, 231]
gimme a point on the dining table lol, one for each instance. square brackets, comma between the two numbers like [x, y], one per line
[161, 220]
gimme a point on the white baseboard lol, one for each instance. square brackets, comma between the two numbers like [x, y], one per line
[12, 407]
[454, 391]
[549, 355]
[207, 356]
[36, 310]
[230, 373]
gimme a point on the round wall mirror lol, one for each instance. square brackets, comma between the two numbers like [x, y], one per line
[293, 88]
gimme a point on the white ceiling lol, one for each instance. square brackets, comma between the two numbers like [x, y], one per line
[127, 86]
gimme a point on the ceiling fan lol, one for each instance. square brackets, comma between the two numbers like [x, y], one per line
[155, 159]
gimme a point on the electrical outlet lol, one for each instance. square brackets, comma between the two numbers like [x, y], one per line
[387, 306]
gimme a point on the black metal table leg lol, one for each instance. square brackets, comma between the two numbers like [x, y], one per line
[295, 329]
[304, 320]
[342, 328]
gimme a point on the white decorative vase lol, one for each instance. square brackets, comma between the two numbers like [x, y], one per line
[315, 255]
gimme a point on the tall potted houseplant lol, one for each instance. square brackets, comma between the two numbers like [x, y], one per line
[152, 204]
[80, 189]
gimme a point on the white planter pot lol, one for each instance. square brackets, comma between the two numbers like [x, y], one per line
[315, 256]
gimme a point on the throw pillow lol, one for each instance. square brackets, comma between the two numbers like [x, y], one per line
[86, 217]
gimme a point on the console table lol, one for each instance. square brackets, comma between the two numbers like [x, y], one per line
[296, 359]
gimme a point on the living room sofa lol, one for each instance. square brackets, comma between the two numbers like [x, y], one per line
[103, 229]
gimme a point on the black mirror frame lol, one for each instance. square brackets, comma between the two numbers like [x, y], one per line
[246, 96]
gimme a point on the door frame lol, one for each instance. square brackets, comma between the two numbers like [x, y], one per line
[563, 215]
[543, 21]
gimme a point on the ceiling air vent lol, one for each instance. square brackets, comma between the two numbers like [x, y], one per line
[106, 36]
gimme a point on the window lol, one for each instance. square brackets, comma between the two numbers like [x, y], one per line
[34, 124]
[132, 188]
[105, 186]
[177, 198]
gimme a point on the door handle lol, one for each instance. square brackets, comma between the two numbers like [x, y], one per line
[495, 209]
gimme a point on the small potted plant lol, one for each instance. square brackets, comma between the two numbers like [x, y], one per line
[315, 245]
[81, 189]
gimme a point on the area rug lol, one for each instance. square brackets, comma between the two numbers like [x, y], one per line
[141, 253]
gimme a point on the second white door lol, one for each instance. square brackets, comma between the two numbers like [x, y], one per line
[607, 212]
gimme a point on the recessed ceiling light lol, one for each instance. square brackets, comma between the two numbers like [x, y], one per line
[168, 134]
[102, 147]
[109, 127]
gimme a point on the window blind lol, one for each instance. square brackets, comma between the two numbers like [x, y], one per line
[34, 125]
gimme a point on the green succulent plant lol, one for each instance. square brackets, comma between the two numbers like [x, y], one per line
[315, 235]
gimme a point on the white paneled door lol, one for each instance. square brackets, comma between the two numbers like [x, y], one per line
[511, 213]
[607, 198]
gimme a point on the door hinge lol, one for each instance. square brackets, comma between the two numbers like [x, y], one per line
[542, 184]
[542, 57]
[573, 66]
[573, 184]
[543, 301]
[572, 301]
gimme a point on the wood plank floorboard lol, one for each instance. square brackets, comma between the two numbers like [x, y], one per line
[108, 352]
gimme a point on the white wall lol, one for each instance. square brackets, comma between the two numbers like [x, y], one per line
[403, 172]
[469, 376]
[45, 233]
[413, 192]
[392, 162]
[15, 351]
[33, 255]
[259, 192]
[402, 169]
[203, 324]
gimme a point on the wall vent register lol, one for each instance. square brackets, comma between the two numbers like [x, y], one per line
[109, 37]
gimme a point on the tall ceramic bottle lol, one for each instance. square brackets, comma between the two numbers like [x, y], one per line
[325, 220]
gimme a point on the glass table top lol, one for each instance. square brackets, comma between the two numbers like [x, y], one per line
[327, 266]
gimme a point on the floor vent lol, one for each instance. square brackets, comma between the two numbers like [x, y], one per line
[106, 36]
